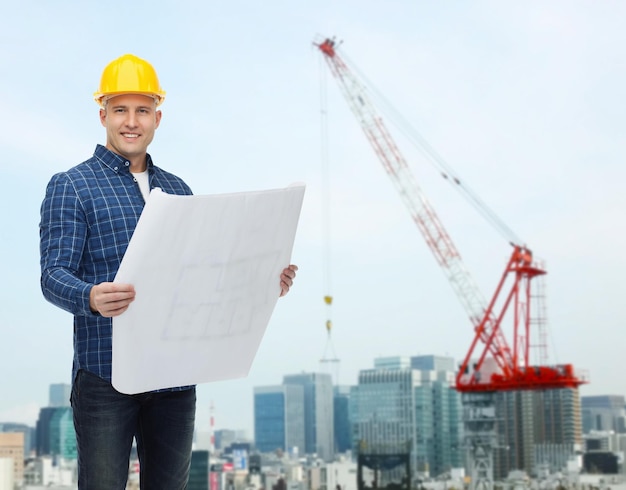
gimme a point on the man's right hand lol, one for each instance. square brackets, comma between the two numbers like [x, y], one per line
[110, 298]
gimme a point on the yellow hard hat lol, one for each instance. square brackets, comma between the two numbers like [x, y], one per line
[129, 74]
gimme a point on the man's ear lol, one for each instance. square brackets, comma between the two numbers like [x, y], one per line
[103, 116]
[158, 115]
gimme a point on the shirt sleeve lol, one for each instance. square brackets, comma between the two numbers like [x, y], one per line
[63, 234]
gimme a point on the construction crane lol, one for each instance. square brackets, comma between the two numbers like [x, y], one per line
[491, 364]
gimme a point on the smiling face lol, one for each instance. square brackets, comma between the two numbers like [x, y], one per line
[130, 121]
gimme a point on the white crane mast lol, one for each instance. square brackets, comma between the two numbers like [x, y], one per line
[418, 205]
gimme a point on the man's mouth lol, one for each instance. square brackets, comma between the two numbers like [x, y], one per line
[130, 135]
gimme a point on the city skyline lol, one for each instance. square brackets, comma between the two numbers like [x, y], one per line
[377, 363]
[522, 99]
[401, 399]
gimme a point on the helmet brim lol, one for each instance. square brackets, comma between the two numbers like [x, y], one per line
[101, 98]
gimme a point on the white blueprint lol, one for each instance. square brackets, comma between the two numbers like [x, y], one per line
[206, 273]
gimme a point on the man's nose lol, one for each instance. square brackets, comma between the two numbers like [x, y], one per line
[131, 119]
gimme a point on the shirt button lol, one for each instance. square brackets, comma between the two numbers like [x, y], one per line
[115, 168]
[127, 164]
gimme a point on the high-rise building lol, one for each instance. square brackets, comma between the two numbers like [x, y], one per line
[384, 412]
[410, 401]
[440, 371]
[560, 414]
[536, 428]
[447, 414]
[199, 471]
[433, 363]
[279, 418]
[55, 433]
[318, 412]
[603, 413]
[60, 395]
[43, 431]
[62, 434]
[341, 423]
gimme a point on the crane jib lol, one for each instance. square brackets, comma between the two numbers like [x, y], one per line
[490, 364]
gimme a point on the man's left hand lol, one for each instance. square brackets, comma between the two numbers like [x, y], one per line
[286, 279]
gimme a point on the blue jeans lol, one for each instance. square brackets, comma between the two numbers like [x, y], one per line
[106, 422]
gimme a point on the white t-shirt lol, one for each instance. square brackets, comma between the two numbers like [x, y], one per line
[144, 185]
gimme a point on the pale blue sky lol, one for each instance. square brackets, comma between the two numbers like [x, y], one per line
[524, 99]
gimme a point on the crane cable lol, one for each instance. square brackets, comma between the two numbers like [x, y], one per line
[326, 215]
[446, 171]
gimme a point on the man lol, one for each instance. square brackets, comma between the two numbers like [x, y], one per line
[88, 216]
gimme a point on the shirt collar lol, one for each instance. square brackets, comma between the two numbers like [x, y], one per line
[116, 162]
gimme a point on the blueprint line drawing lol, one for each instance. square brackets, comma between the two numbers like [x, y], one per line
[206, 273]
[219, 307]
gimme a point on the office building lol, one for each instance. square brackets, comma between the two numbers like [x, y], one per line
[447, 417]
[447, 451]
[604, 441]
[199, 471]
[395, 404]
[29, 435]
[383, 408]
[433, 363]
[603, 413]
[12, 447]
[341, 416]
[318, 412]
[536, 428]
[279, 418]
[63, 434]
[42, 444]
[59, 395]
[55, 433]
[392, 362]
[224, 438]
[560, 413]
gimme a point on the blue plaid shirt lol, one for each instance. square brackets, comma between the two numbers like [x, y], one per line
[88, 215]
